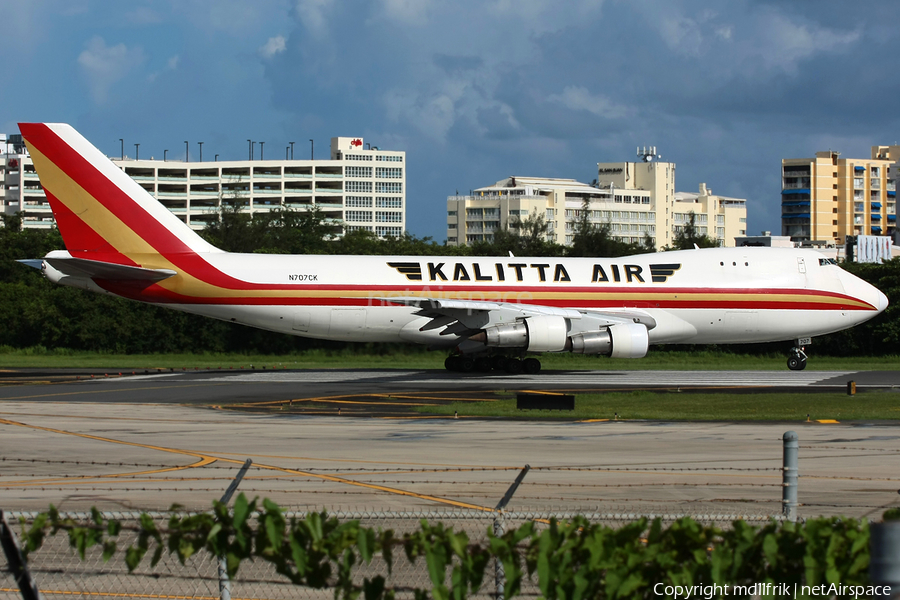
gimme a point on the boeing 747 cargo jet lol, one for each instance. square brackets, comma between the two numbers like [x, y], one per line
[489, 313]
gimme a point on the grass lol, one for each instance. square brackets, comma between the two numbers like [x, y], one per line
[416, 358]
[670, 405]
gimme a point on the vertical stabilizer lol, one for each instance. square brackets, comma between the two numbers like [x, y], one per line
[101, 212]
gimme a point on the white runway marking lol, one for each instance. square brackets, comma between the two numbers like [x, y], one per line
[588, 378]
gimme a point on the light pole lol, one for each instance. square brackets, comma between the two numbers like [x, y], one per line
[250, 149]
[136, 155]
[201, 150]
[286, 148]
[187, 157]
[217, 158]
[312, 150]
[262, 151]
[122, 143]
[165, 152]
[292, 150]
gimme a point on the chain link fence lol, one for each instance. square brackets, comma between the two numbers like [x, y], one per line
[59, 572]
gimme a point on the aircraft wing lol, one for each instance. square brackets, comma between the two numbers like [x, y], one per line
[463, 318]
[95, 269]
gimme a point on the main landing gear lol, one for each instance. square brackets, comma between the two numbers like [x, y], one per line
[485, 364]
[797, 360]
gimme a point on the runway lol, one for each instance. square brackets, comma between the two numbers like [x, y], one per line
[147, 441]
[231, 387]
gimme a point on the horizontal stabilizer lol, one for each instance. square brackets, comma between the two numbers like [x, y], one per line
[95, 269]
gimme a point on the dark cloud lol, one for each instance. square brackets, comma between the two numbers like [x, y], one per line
[458, 64]
[475, 92]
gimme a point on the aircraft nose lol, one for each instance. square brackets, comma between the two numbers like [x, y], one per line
[882, 302]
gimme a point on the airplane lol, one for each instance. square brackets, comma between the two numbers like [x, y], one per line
[490, 313]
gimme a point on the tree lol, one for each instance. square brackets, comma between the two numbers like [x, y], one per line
[597, 240]
[689, 236]
[522, 237]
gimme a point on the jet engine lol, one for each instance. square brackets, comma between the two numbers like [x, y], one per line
[535, 334]
[622, 340]
[550, 334]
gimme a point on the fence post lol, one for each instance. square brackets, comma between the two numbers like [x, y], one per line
[499, 574]
[790, 475]
[17, 565]
[224, 583]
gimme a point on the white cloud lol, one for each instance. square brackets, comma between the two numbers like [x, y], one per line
[105, 65]
[312, 14]
[783, 43]
[272, 47]
[411, 12]
[144, 15]
[579, 98]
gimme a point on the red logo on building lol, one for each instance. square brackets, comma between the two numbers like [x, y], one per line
[13, 163]
[356, 143]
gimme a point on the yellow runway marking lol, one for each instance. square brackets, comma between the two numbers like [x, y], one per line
[321, 476]
[108, 391]
[207, 460]
[118, 595]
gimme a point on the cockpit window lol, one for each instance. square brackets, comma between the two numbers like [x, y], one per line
[827, 261]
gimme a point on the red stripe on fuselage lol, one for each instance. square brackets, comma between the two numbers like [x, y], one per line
[755, 299]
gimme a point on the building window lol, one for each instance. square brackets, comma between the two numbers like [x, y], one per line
[389, 202]
[451, 213]
[389, 173]
[358, 186]
[388, 188]
[358, 215]
[357, 171]
[364, 157]
[358, 201]
[388, 158]
[384, 231]
[388, 217]
[349, 228]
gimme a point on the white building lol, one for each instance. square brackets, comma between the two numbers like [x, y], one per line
[637, 200]
[363, 188]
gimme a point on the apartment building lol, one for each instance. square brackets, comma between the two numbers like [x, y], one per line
[358, 187]
[827, 198]
[637, 199]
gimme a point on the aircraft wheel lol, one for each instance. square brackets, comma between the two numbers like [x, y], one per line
[452, 363]
[466, 364]
[514, 366]
[532, 366]
[483, 364]
[498, 362]
[795, 363]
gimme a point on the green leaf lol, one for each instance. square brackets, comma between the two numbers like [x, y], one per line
[241, 511]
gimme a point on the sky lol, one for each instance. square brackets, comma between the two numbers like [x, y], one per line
[473, 91]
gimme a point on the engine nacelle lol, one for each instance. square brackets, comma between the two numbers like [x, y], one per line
[58, 277]
[623, 340]
[535, 334]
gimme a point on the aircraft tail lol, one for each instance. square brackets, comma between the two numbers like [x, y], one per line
[101, 212]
